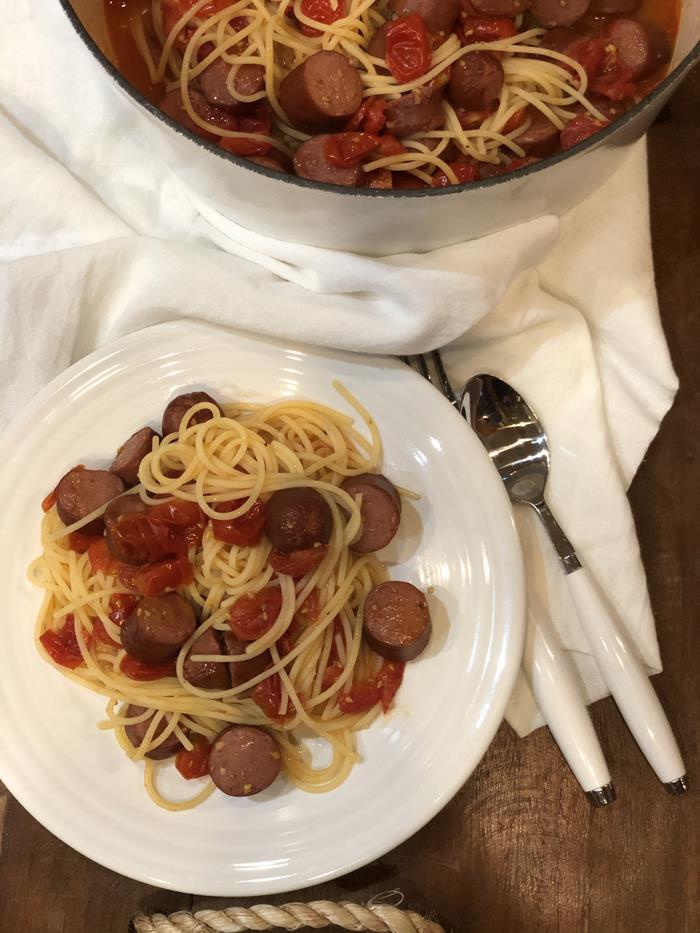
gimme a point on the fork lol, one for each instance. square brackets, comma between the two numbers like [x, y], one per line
[544, 665]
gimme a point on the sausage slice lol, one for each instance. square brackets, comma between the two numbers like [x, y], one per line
[418, 111]
[243, 671]
[297, 518]
[310, 162]
[541, 137]
[396, 621]
[559, 12]
[640, 47]
[209, 675]
[179, 406]
[117, 509]
[322, 90]
[131, 453]
[380, 509]
[476, 80]
[439, 15]
[158, 627]
[213, 83]
[510, 8]
[244, 760]
[136, 732]
[614, 7]
[82, 491]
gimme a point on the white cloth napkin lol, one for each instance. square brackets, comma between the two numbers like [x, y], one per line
[97, 239]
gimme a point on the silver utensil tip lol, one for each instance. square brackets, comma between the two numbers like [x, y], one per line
[677, 787]
[602, 796]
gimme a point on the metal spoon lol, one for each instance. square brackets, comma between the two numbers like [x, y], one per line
[517, 444]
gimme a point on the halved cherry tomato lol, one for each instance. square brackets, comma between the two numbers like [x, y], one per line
[173, 10]
[515, 121]
[194, 764]
[307, 614]
[99, 633]
[408, 48]
[614, 79]
[254, 614]
[298, 563]
[348, 149]
[322, 11]
[163, 530]
[464, 171]
[268, 695]
[389, 677]
[159, 577]
[49, 501]
[389, 145]
[137, 670]
[378, 689]
[369, 116]
[80, 542]
[589, 52]
[487, 28]
[286, 642]
[515, 164]
[100, 558]
[331, 674]
[259, 123]
[121, 605]
[62, 646]
[580, 128]
[245, 530]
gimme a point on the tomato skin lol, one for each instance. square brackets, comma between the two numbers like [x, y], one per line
[244, 531]
[307, 614]
[268, 695]
[487, 28]
[100, 558]
[369, 117]
[580, 128]
[408, 48]
[331, 674]
[389, 677]
[589, 52]
[259, 123]
[348, 149]
[163, 530]
[159, 577]
[514, 122]
[464, 171]
[62, 646]
[298, 563]
[49, 501]
[194, 764]
[322, 12]
[121, 605]
[173, 10]
[381, 688]
[254, 614]
[137, 670]
[99, 633]
[389, 145]
[79, 542]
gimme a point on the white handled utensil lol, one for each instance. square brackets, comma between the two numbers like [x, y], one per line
[517, 444]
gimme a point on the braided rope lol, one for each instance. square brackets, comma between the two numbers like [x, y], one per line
[373, 918]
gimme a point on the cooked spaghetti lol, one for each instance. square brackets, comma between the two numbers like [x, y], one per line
[223, 463]
[465, 93]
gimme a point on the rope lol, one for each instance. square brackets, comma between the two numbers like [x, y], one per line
[373, 918]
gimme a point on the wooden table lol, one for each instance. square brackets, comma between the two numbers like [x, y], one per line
[518, 849]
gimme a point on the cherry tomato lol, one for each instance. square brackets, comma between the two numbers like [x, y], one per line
[379, 178]
[515, 164]
[369, 117]
[331, 674]
[322, 11]
[589, 52]
[163, 530]
[268, 695]
[121, 605]
[464, 171]
[49, 501]
[137, 670]
[472, 119]
[173, 10]
[389, 145]
[614, 79]
[260, 123]
[99, 633]
[307, 614]
[348, 149]
[360, 697]
[389, 677]
[487, 28]
[194, 764]
[254, 614]
[62, 646]
[100, 558]
[408, 50]
[298, 563]
[286, 642]
[159, 577]
[245, 530]
[580, 128]
[514, 122]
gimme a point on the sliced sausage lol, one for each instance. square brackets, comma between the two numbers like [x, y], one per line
[278, 163]
[178, 408]
[396, 620]
[137, 731]
[377, 44]
[172, 105]
[297, 518]
[208, 675]
[642, 48]
[131, 453]
[510, 8]
[322, 90]
[243, 671]
[244, 760]
[380, 509]
[541, 137]
[82, 491]
[418, 111]
[310, 162]
[614, 7]
[559, 12]
[476, 80]
[116, 510]
[158, 627]
[439, 15]
[213, 83]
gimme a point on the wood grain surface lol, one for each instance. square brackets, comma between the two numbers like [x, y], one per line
[518, 850]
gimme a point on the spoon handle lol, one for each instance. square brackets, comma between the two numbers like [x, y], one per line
[562, 706]
[629, 683]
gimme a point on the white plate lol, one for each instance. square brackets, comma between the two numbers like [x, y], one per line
[75, 779]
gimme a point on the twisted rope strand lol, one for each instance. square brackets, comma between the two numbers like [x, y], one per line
[373, 918]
